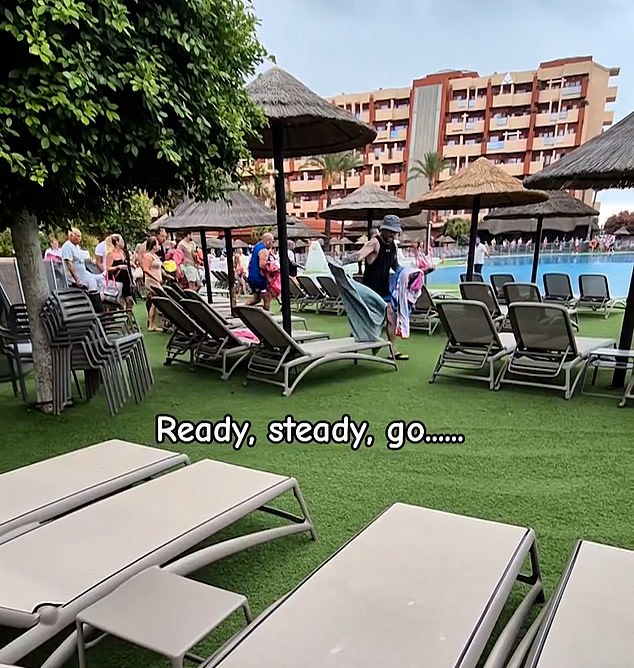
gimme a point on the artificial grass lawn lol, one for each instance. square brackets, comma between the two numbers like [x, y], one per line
[565, 468]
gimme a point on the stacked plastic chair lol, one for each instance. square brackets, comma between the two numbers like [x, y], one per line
[80, 342]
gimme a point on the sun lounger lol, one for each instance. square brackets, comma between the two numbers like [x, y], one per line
[475, 277]
[279, 357]
[313, 294]
[482, 292]
[54, 571]
[588, 621]
[529, 292]
[473, 342]
[38, 492]
[332, 301]
[424, 315]
[547, 348]
[558, 288]
[498, 281]
[594, 291]
[416, 588]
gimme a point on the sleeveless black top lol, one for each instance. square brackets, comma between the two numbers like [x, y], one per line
[377, 275]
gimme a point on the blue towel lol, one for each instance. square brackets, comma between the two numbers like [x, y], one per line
[365, 310]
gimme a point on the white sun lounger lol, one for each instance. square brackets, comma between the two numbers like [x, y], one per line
[417, 588]
[589, 620]
[279, 356]
[38, 492]
[52, 572]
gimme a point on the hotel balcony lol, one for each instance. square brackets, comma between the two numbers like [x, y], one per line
[571, 91]
[549, 95]
[514, 146]
[511, 100]
[566, 141]
[311, 206]
[544, 120]
[509, 123]
[460, 150]
[384, 114]
[536, 166]
[401, 113]
[611, 96]
[473, 104]
[391, 179]
[301, 164]
[396, 156]
[474, 126]
[514, 169]
[306, 185]
[608, 118]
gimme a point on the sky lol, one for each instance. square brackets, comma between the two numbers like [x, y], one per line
[347, 46]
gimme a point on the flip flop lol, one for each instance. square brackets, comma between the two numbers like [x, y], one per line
[401, 356]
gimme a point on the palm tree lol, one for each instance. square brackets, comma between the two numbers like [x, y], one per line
[256, 178]
[332, 166]
[351, 161]
[430, 168]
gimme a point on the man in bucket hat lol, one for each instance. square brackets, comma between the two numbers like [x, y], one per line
[380, 258]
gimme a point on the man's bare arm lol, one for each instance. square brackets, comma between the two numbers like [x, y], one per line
[370, 247]
[263, 257]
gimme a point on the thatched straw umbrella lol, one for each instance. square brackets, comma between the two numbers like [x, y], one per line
[605, 161]
[481, 184]
[445, 240]
[238, 209]
[622, 232]
[368, 202]
[559, 204]
[300, 124]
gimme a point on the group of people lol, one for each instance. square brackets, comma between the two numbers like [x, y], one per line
[110, 266]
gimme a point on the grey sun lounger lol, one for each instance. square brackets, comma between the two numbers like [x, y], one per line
[424, 315]
[473, 342]
[417, 588]
[547, 348]
[589, 620]
[594, 295]
[52, 572]
[529, 292]
[39, 492]
[482, 292]
[279, 357]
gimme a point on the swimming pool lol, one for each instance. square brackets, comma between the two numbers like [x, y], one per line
[617, 267]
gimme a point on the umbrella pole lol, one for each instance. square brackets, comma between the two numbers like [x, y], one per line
[203, 245]
[230, 270]
[370, 219]
[627, 329]
[473, 233]
[280, 205]
[538, 245]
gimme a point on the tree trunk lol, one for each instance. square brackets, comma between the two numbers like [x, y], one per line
[26, 242]
[327, 224]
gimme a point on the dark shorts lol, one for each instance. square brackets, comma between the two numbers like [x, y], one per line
[258, 287]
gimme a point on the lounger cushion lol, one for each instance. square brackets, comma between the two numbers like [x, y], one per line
[344, 345]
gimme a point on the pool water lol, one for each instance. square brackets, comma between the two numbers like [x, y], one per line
[617, 267]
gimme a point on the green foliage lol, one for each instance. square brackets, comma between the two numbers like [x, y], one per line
[618, 220]
[430, 168]
[457, 228]
[118, 96]
[333, 165]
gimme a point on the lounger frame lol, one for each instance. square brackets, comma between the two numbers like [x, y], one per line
[475, 645]
[530, 364]
[468, 356]
[281, 361]
[49, 620]
[55, 507]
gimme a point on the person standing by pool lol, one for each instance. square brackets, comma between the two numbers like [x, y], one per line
[480, 253]
[258, 265]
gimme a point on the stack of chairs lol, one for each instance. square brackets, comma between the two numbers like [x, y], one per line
[112, 355]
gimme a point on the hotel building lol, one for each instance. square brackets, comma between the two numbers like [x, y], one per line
[521, 121]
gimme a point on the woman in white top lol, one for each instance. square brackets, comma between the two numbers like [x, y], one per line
[53, 252]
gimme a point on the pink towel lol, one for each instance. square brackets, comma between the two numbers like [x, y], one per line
[246, 335]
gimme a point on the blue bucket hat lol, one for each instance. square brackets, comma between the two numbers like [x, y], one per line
[391, 223]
